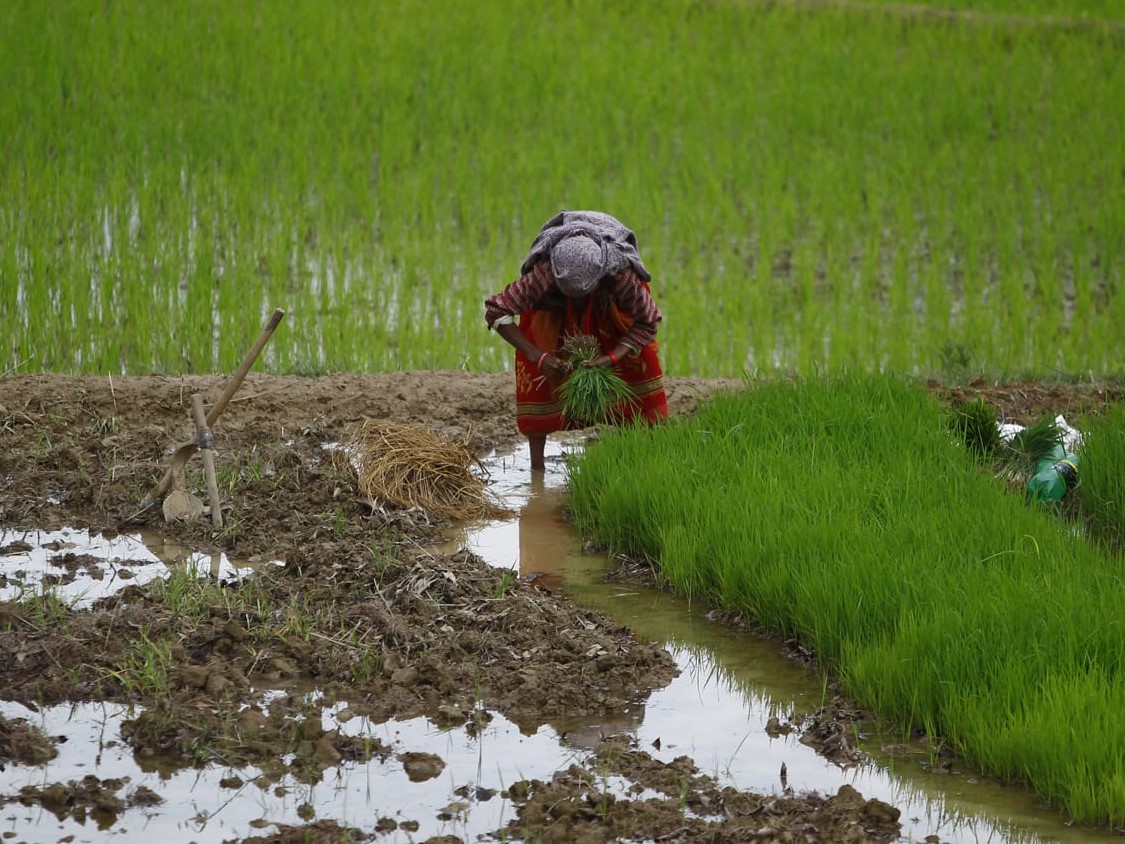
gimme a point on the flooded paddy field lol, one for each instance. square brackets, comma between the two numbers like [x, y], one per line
[323, 670]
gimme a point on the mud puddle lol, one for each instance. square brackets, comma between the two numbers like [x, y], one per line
[79, 567]
[420, 777]
[450, 782]
[732, 706]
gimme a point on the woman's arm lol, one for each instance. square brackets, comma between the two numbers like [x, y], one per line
[633, 297]
[519, 297]
[550, 365]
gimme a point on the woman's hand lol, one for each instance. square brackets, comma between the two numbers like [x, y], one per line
[554, 368]
[602, 361]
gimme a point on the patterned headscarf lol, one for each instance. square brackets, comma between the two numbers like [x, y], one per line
[577, 263]
[588, 242]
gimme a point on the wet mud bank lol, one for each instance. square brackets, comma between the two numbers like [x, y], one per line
[362, 618]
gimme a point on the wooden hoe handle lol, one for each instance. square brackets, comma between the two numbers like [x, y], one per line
[161, 489]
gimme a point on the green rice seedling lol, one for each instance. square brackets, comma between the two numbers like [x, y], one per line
[1102, 491]
[591, 394]
[1035, 442]
[974, 422]
[136, 238]
[840, 513]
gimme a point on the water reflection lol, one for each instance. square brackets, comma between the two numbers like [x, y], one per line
[544, 541]
[79, 567]
[217, 803]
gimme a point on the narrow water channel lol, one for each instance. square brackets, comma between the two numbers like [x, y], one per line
[731, 684]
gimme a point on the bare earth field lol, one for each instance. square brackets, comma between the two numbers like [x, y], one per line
[359, 609]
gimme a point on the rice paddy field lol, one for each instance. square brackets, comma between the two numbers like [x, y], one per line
[814, 184]
[865, 186]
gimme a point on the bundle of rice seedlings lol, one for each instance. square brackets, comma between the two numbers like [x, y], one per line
[413, 467]
[974, 421]
[591, 395]
[1037, 441]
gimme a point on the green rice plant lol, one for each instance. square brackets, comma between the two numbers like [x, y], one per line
[1102, 491]
[1027, 447]
[974, 421]
[1069, 10]
[160, 201]
[591, 394]
[839, 512]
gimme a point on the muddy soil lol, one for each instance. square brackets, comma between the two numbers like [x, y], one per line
[359, 607]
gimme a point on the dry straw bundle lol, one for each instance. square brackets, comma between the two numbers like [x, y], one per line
[412, 467]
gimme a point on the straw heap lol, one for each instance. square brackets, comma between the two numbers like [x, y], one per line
[412, 467]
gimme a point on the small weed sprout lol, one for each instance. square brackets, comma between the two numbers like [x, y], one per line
[506, 580]
[338, 520]
[104, 426]
[148, 665]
